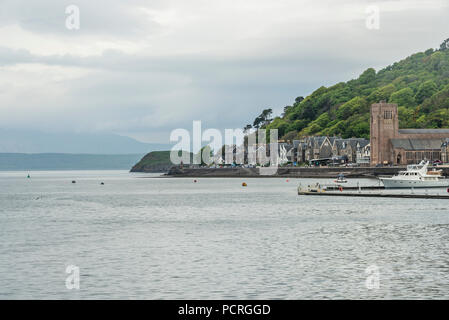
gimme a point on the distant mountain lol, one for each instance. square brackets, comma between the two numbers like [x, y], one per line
[27, 141]
[57, 161]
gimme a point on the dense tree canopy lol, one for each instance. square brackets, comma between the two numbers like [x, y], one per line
[419, 85]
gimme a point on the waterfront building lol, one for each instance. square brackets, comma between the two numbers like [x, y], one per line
[349, 148]
[391, 145]
[363, 155]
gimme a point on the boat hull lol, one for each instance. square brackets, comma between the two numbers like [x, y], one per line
[391, 183]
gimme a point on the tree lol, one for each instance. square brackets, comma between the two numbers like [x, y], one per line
[428, 52]
[313, 128]
[263, 118]
[368, 76]
[280, 124]
[299, 99]
[425, 90]
[297, 125]
[257, 122]
[406, 117]
[382, 93]
[247, 128]
[445, 45]
[291, 135]
[403, 97]
[356, 105]
[266, 114]
[361, 130]
[286, 110]
[323, 120]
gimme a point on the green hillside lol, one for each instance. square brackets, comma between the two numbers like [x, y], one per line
[153, 161]
[419, 85]
[156, 161]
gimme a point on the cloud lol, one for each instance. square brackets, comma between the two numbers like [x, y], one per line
[143, 68]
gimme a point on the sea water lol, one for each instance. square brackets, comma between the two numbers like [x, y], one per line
[140, 236]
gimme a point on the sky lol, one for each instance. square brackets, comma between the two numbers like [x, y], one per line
[144, 68]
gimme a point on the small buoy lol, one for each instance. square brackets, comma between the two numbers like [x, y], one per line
[244, 184]
[340, 188]
[28, 176]
[102, 183]
[73, 181]
[286, 180]
[195, 181]
[447, 190]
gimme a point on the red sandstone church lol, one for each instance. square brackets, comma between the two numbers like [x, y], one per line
[392, 145]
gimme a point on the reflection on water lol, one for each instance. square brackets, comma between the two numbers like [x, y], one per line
[161, 238]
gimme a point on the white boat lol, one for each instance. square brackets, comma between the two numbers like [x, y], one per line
[341, 179]
[416, 176]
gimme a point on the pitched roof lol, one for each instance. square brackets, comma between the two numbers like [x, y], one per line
[332, 139]
[423, 131]
[318, 141]
[339, 143]
[352, 142]
[417, 144]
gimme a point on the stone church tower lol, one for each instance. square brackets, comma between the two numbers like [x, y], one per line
[384, 126]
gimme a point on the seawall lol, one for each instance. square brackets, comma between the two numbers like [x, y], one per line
[358, 172]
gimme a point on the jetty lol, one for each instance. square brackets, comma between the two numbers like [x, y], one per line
[364, 192]
[375, 195]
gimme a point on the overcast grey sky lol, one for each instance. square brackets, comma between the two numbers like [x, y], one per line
[143, 68]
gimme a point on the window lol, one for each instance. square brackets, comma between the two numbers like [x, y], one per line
[388, 114]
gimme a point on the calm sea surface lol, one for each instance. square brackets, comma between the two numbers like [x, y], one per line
[162, 238]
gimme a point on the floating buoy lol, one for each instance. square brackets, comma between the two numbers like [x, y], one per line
[286, 180]
[102, 183]
[244, 184]
[73, 181]
[28, 176]
[195, 181]
[447, 190]
[340, 188]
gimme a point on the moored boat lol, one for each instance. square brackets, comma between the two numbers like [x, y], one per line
[341, 179]
[416, 176]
